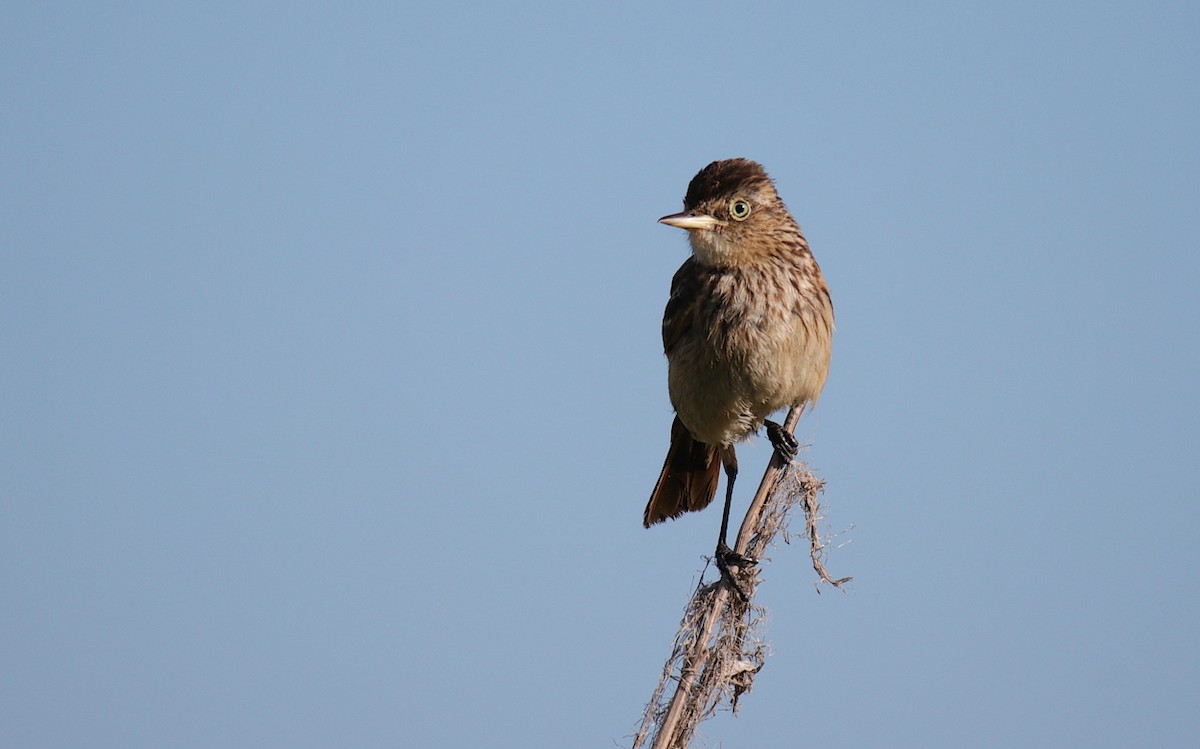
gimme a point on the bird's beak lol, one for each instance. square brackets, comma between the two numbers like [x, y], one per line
[691, 220]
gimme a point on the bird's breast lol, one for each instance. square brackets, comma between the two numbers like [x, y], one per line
[759, 342]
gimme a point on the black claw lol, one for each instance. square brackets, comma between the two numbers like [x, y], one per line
[782, 440]
[729, 556]
[725, 557]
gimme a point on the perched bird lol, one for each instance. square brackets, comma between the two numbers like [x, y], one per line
[747, 331]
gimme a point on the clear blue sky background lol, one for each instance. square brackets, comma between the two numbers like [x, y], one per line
[333, 390]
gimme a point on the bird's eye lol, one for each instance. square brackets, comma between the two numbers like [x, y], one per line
[739, 209]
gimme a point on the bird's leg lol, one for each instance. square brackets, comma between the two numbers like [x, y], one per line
[782, 440]
[726, 556]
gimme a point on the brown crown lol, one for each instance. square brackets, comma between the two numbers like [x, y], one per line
[724, 178]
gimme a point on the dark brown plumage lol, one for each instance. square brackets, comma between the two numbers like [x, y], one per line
[747, 331]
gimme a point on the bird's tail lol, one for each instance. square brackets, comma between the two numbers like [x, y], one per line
[688, 481]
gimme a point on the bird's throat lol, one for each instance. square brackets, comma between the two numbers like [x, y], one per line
[712, 248]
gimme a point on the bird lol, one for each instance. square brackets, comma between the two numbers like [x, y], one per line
[747, 331]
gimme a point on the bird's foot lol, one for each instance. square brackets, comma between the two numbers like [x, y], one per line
[727, 557]
[782, 440]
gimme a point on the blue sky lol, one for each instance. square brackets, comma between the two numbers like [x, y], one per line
[333, 384]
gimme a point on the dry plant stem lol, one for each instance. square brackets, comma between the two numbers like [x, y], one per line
[812, 514]
[750, 523]
[670, 734]
[716, 651]
[665, 738]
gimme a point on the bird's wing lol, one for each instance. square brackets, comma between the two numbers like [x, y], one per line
[684, 305]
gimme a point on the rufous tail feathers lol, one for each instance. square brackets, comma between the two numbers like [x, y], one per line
[688, 481]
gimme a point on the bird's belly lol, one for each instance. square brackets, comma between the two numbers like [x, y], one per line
[723, 394]
[709, 400]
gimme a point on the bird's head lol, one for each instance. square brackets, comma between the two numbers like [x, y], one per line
[732, 213]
